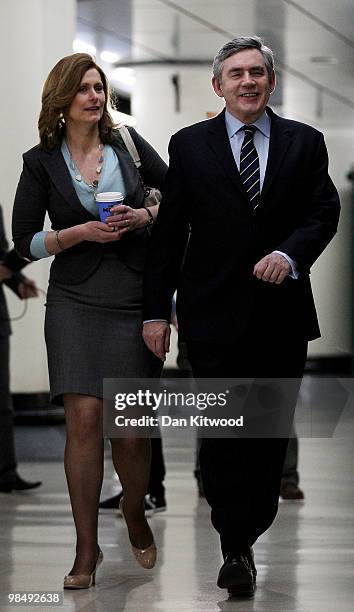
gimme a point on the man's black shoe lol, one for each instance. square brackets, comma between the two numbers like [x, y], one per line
[291, 492]
[159, 502]
[237, 575]
[250, 557]
[149, 508]
[111, 503]
[17, 484]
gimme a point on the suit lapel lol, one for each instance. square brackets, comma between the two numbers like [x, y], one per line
[57, 169]
[280, 140]
[219, 142]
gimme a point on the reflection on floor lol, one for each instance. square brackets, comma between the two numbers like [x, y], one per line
[304, 562]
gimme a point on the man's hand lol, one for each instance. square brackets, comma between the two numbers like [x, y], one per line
[272, 268]
[27, 289]
[5, 273]
[156, 336]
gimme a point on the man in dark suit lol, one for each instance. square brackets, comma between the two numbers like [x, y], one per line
[253, 190]
[24, 288]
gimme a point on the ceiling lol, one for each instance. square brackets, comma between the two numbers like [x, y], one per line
[312, 41]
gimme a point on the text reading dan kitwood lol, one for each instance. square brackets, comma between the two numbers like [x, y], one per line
[147, 399]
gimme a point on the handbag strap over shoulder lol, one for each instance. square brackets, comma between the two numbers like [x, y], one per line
[152, 196]
[129, 143]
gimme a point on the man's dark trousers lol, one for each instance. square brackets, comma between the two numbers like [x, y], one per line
[241, 477]
[7, 446]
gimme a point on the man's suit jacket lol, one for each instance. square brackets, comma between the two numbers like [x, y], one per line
[46, 186]
[12, 282]
[217, 295]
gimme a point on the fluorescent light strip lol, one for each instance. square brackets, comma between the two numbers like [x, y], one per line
[109, 57]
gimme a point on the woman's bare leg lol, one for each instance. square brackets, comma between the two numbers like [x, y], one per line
[131, 459]
[84, 473]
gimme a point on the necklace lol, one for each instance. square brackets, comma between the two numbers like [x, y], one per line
[78, 176]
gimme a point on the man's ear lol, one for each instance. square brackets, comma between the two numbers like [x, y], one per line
[217, 87]
[272, 82]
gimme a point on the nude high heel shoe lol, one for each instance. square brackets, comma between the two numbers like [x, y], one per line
[146, 557]
[83, 581]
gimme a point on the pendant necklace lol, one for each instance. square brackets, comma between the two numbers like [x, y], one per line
[78, 176]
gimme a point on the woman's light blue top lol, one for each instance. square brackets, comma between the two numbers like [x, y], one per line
[111, 180]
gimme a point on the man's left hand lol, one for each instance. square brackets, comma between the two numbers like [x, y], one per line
[27, 289]
[156, 335]
[272, 268]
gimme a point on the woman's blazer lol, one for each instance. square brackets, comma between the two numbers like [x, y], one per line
[46, 186]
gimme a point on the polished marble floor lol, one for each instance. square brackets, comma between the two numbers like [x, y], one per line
[305, 562]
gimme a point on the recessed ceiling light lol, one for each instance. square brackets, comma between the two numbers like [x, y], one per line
[323, 59]
[80, 46]
[109, 57]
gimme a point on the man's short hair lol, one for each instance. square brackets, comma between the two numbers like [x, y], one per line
[240, 44]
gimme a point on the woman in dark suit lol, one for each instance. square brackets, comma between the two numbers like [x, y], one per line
[93, 316]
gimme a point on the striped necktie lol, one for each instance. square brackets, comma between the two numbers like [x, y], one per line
[249, 166]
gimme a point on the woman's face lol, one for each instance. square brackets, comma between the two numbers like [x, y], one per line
[88, 105]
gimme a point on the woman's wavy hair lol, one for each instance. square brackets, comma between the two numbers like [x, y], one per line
[59, 90]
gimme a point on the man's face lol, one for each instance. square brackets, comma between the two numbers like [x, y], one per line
[245, 85]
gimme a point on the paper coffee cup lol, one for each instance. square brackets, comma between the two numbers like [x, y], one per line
[105, 201]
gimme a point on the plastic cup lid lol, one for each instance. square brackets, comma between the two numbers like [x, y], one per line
[109, 196]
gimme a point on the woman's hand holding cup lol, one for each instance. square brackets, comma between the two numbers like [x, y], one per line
[125, 217]
[96, 231]
[108, 202]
